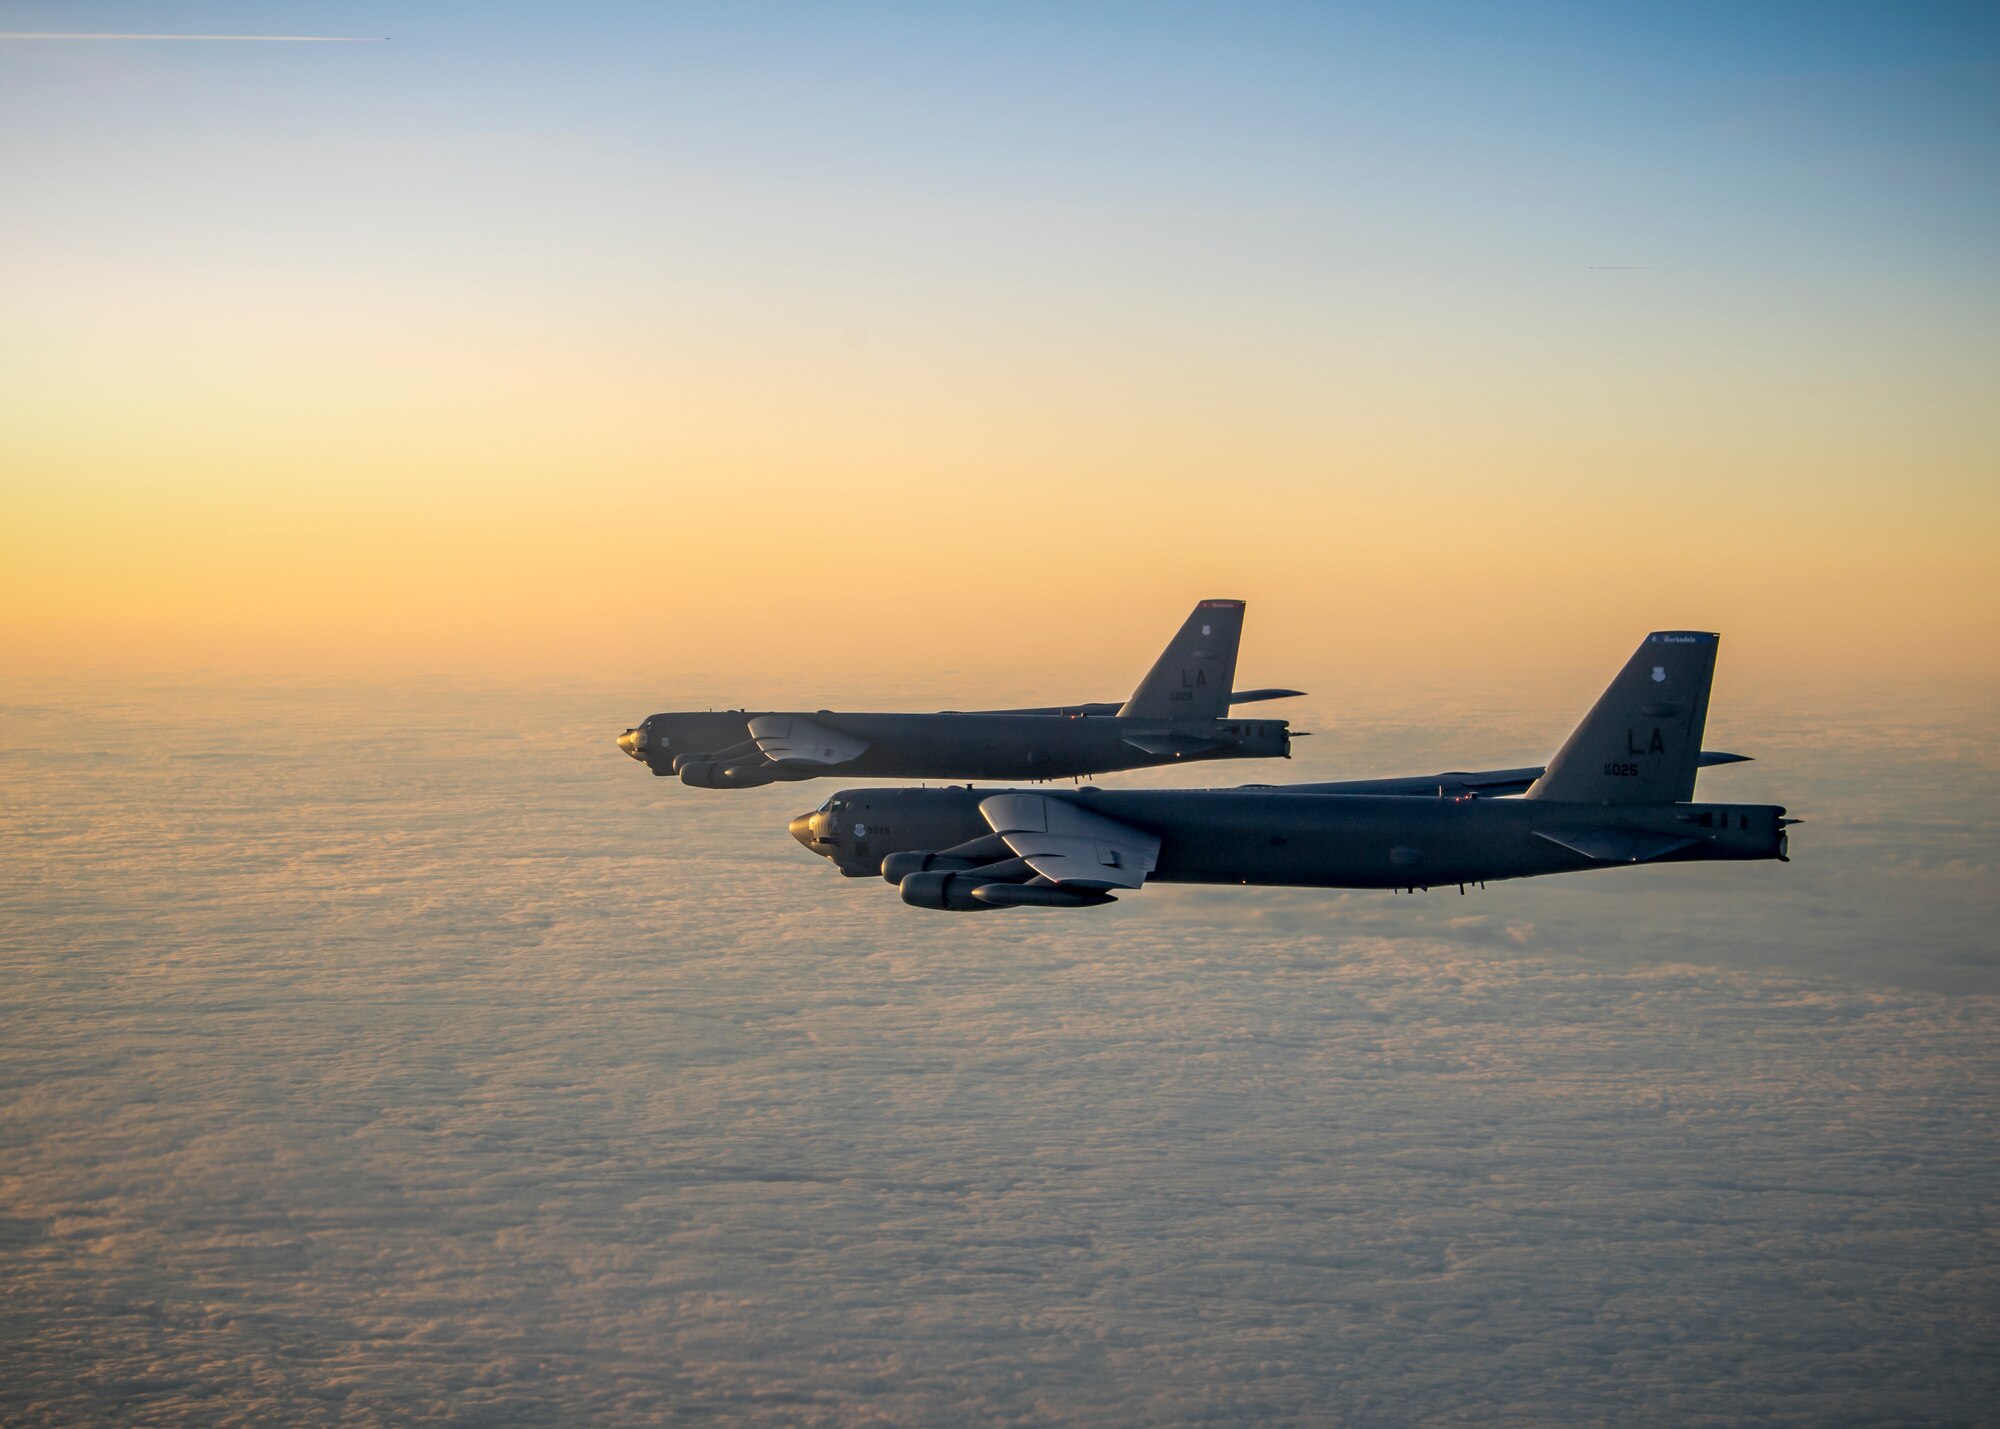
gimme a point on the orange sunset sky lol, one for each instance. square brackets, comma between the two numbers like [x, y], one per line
[748, 339]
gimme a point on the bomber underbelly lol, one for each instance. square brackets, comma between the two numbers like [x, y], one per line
[1361, 852]
[998, 755]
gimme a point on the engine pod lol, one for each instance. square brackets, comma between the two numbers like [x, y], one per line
[944, 890]
[1039, 895]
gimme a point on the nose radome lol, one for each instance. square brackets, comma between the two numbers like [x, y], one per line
[802, 830]
[633, 742]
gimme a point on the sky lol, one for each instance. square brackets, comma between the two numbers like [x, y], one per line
[700, 343]
[385, 425]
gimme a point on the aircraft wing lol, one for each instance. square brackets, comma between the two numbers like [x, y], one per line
[796, 739]
[1101, 707]
[1111, 707]
[1071, 847]
[1490, 783]
[1486, 783]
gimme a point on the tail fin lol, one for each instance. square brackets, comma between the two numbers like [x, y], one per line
[1192, 677]
[1641, 741]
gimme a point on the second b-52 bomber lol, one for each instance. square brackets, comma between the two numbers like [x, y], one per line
[1181, 711]
[1617, 793]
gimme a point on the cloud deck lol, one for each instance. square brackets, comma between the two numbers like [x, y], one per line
[375, 1083]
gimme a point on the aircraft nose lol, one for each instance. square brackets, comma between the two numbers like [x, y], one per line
[802, 830]
[633, 742]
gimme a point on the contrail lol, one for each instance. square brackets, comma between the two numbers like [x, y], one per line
[228, 39]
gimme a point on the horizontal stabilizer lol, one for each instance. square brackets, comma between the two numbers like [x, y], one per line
[1071, 847]
[1617, 845]
[1251, 697]
[798, 740]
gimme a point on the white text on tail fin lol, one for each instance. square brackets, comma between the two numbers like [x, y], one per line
[1192, 677]
[1641, 741]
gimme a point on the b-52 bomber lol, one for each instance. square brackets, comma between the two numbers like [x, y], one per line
[1180, 712]
[1615, 794]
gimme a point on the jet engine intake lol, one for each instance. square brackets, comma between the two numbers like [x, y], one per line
[713, 774]
[948, 891]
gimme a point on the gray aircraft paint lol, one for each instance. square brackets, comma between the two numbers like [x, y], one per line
[1178, 713]
[1193, 677]
[940, 847]
[943, 827]
[1640, 742]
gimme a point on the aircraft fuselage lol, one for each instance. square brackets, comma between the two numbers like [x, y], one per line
[1271, 837]
[720, 750]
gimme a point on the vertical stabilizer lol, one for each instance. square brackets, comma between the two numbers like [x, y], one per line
[1641, 741]
[1192, 677]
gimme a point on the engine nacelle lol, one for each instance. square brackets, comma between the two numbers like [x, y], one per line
[946, 890]
[956, 891]
[899, 866]
[733, 754]
[1039, 895]
[711, 774]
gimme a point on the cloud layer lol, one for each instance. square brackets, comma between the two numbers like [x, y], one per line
[424, 1060]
